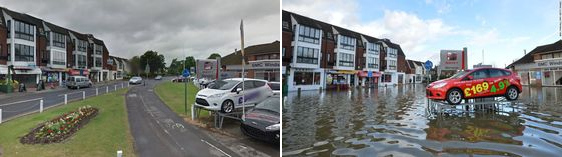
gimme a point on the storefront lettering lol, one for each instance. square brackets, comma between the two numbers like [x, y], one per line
[550, 63]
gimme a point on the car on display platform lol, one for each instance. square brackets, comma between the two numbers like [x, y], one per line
[135, 80]
[78, 82]
[227, 95]
[476, 83]
[263, 121]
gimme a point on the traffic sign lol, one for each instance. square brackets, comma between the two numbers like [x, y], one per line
[185, 73]
[428, 64]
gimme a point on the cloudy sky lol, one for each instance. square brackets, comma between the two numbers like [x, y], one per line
[503, 29]
[175, 28]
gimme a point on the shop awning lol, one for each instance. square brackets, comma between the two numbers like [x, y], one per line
[47, 69]
[82, 72]
[346, 72]
[368, 74]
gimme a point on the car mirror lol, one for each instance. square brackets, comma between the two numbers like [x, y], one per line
[468, 77]
[238, 90]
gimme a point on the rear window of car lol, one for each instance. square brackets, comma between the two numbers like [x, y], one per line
[270, 104]
[506, 73]
[495, 73]
[274, 86]
[259, 83]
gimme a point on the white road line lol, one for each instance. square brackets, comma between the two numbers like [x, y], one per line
[215, 147]
[17, 102]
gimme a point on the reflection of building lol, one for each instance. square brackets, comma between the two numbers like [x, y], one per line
[40, 50]
[262, 62]
[541, 66]
[318, 55]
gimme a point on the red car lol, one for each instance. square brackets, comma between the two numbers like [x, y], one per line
[476, 83]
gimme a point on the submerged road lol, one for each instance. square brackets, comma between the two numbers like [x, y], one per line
[158, 131]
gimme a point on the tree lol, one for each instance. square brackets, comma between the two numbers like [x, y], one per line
[155, 61]
[135, 65]
[190, 61]
[214, 56]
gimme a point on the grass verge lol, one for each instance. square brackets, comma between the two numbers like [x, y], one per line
[173, 95]
[104, 135]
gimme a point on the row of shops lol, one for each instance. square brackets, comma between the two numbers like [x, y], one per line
[318, 79]
[52, 77]
[540, 67]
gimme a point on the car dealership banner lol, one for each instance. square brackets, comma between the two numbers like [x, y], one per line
[207, 68]
[453, 60]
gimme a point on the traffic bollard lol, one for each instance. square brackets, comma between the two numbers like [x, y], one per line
[106, 89]
[41, 106]
[122, 85]
[0, 115]
[96, 91]
[83, 95]
[119, 153]
[115, 88]
[65, 99]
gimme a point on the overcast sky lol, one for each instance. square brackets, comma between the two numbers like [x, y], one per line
[174, 28]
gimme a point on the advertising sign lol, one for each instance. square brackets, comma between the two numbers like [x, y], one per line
[207, 68]
[549, 63]
[264, 64]
[453, 60]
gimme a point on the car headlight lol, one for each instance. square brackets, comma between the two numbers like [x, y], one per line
[217, 95]
[439, 85]
[273, 127]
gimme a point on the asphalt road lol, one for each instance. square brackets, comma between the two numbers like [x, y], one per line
[158, 131]
[21, 104]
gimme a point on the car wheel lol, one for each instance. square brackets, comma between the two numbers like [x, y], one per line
[454, 96]
[511, 93]
[227, 106]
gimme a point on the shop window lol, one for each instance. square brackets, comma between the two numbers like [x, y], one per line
[304, 78]
[386, 78]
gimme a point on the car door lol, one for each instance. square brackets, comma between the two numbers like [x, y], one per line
[242, 96]
[498, 82]
[473, 86]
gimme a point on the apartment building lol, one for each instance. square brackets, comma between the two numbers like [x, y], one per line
[317, 55]
[117, 68]
[415, 72]
[42, 51]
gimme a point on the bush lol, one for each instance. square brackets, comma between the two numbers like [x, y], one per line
[61, 127]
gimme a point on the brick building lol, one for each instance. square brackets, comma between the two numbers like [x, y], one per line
[318, 55]
[42, 51]
[262, 62]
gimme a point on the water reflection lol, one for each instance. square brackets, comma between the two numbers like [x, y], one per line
[395, 121]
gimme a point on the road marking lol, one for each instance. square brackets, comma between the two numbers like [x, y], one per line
[215, 147]
[17, 102]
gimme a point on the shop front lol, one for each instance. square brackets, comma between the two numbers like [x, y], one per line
[28, 75]
[305, 79]
[339, 79]
[52, 77]
[78, 72]
[551, 71]
[265, 70]
[369, 79]
[95, 75]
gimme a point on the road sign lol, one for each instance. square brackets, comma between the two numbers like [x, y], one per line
[428, 64]
[185, 73]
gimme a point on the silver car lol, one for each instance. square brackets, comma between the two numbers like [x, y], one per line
[78, 82]
[135, 80]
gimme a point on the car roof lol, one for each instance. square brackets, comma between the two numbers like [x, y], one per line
[488, 68]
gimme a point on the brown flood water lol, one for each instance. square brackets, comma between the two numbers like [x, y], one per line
[395, 121]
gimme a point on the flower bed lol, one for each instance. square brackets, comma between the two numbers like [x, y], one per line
[60, 128]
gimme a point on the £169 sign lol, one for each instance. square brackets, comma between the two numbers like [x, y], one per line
[484, 86]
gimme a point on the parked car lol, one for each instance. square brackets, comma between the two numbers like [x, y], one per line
[158, 77]
[178, 79]
[476, 83]
[135, 80]
[263, 121]
[227, 95]
[78, 82]
[275, 86]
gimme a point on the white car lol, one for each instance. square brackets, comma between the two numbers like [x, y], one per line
[275, 86]
[135, 80]
[227, 95]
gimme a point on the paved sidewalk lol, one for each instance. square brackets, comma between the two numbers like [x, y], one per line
[158, 131]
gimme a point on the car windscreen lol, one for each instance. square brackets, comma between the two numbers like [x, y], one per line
[224, 85]
[270, 104]
[460, 74]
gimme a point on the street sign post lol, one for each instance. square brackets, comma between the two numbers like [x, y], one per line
[428, 65]
[185, 74]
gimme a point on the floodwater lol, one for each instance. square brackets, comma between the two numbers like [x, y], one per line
[396, 121]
